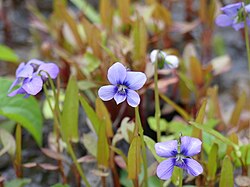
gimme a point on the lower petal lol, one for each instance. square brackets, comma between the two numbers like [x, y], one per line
[119, 98]
[223, 20]
[107, 93]
[33, 86]
[238, 26]
[193, 167]
[165, 169]
[17, 91]
[133, 98]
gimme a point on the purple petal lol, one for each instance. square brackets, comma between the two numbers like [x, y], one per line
[17, 91]
[223, 20]
[35, 61]
[192, 167]
[117, 73]
[165, 169]
[232, 9]
[119, 98]
[51, 68]
[16, 82]
[107, 93]
[238, 26]
[20, 67]
[135, 80]
[33, 86]
[190, 146]
[172, 62]
[24, 71]
[247, 8]
[133, 98]
[167, 149]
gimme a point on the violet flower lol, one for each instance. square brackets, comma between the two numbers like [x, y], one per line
[179, 154]
[32, 75]
[233, 16]
[123, 85]
[164, 60]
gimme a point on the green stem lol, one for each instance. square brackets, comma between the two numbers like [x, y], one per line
[157, 102]
[78, 167]
[180, 177]
[18, 157]
[246, 38]
[144, 153]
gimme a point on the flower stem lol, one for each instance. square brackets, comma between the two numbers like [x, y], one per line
[180, 177]
[144, 153]
[78, 167]
[157, 102]
[18, 157]
[246, 38]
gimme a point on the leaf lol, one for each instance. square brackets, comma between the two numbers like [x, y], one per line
[124, 10]
[199, 119]
[8, 142]
[161, 13]
[88, 10]
[134, 158]
[139, 34]
[60, 185]
[151, 146]
[25, 111]
[69, 118]
[212, 162]
[93, 62]
[90, 113]
[163, 124]
[196, 71]
[89, 140]
[17, 182]
[86, 85]
[104, 115]
[226, 178]
[106, 16]
[181, 111]
[102, 147]
[7, 54]
[215, 133]
[238, 108]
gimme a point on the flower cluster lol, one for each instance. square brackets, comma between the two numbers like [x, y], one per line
[179, 154]
[124, 83]
[234, 16]
[32, 75]
[164, 60]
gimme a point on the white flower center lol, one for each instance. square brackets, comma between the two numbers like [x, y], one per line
[122, 88]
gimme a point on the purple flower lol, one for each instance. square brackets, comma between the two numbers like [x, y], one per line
[233, 16]
[32, 75]
[124, 83]
[179, 154]
[164, 60]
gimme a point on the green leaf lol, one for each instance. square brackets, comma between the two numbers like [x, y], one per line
[212, 162]
[69, 118]
[88, 10]
[17, 182]
[226, 178]
[89, 140]
[238, 108]
[104, 115]
[25, 111]
[151, 146]
[92, 63]
[91, 114]
[134, 158]
[60, 185]
[163, 124]
[214, 133]
[7, 54]
[8, 142]
[86, 85]
[102, 146]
